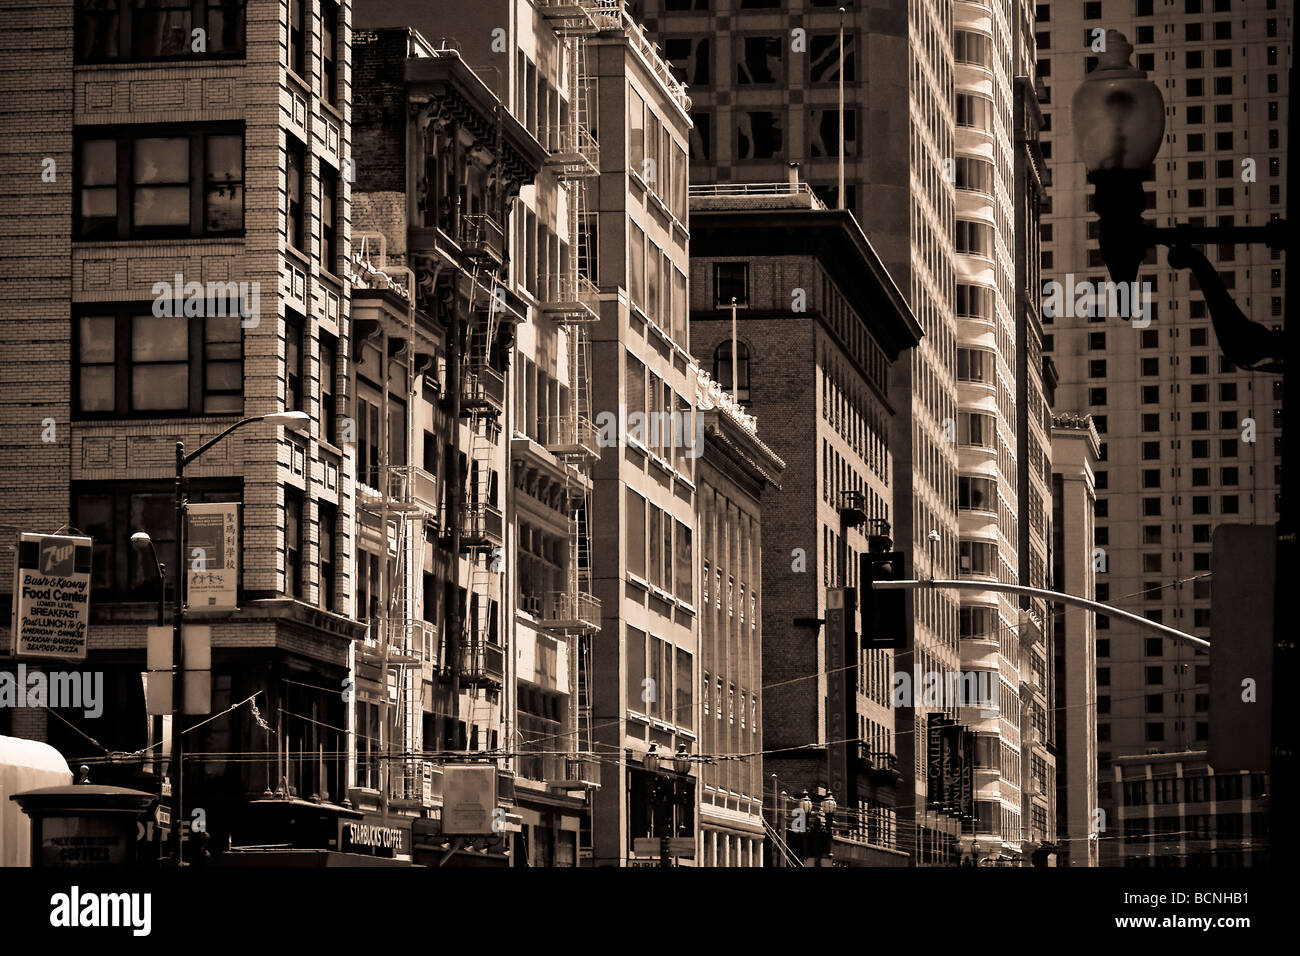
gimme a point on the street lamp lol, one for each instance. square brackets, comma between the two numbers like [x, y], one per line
[815, 835]
[1119, 121]
[142, 543]
[292, 419]
[1118, 118]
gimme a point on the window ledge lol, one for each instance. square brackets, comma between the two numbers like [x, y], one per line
[297, 255]
[640, 582]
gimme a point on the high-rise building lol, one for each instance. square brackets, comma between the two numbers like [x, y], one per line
[820, 328]
[1188, 441]
[180, 191]
[1074, 643]
[765, 80]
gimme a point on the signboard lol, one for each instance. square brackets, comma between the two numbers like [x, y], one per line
[469, 799]
[197, 683]
[653, 846]
[212, 571]
[83, 841]
[841, 684]
[373, 835]
[51, 596]
[934, 795]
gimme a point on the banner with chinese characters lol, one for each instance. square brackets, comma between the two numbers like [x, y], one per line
[212, 556]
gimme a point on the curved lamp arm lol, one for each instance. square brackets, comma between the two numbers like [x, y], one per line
[1245, 343]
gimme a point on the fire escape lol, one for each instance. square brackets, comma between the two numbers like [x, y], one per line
[570, 299]
[400, 501]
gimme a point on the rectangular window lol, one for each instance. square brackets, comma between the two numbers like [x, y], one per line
[636, 131]
[637, 699]
[293, 542]
[293, 363]
[297, 40]
[110, 512]
[157, 29]
[684, 588]
[133, 186]
[329, 237]
[636, 540]
[730, 280]
[329, 44]
[328, 553]
[295, 195]
[127, 361]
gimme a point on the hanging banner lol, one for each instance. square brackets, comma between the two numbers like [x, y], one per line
[934, 762]
[212, 562]
[51, 609]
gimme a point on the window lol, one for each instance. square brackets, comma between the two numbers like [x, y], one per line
[328, 367]
[976, 494]
[329, 44]
[974, 238]
[295, 195]
[730, 280]
[978, 429]
[157, 29]
[127, 361]
[110, 512]
[978, 557]
[975, 365]
[636, 534]
[328, 553]
[329, 187]
[297, 42]
[293, 542]
[294, 399]
[131, 186]
[722, 368]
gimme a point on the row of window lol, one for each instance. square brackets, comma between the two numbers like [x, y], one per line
[658, 548]
[761, 60]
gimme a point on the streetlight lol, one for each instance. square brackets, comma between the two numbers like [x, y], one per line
[142, 543]
[816, 837]
[294, 420]
[1119, 119]
[1119, 122]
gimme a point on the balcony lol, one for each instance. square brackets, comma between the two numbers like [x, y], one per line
[572, 435]
[573, 151]
[581, 772]
[567, 611]
[569, 298]
[482, 664]
[481, 238]
[481, 527]
[580, 17]
[484, 388]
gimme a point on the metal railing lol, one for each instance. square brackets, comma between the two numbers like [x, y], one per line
[570, 143]
[706, 190]
[569, 609]
[481, 235]
[572, 434]
[569, 296]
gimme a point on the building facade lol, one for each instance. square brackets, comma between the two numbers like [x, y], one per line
[765, 83]
[1173, 810]
[821, 326]
[735, 473]
[183, 177]
[1079, 829]
[1187, 440]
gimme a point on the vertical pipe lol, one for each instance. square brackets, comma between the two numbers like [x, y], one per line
[178, 653]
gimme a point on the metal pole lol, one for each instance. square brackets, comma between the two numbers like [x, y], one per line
[178, 655]
[735, 351]
[1282, 783]
[974, 585]
[840, 203]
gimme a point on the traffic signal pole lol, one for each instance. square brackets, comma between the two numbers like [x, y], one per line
[1057, 596]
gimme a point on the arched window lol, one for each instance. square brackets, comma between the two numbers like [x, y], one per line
[722, 368]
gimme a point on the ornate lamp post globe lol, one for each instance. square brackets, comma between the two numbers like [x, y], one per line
[829, 806]
[1118, 114]
[1119, 121]
[805, 804]
[652, 759]
[682, 761]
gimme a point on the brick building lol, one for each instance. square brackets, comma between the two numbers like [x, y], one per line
[820, 328]
[192, 157]
[736, 473]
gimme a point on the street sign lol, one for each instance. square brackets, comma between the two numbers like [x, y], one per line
[212, 574]
[197, 689]
[51, 607]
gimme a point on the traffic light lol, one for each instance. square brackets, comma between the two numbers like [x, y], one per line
[884, 613]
